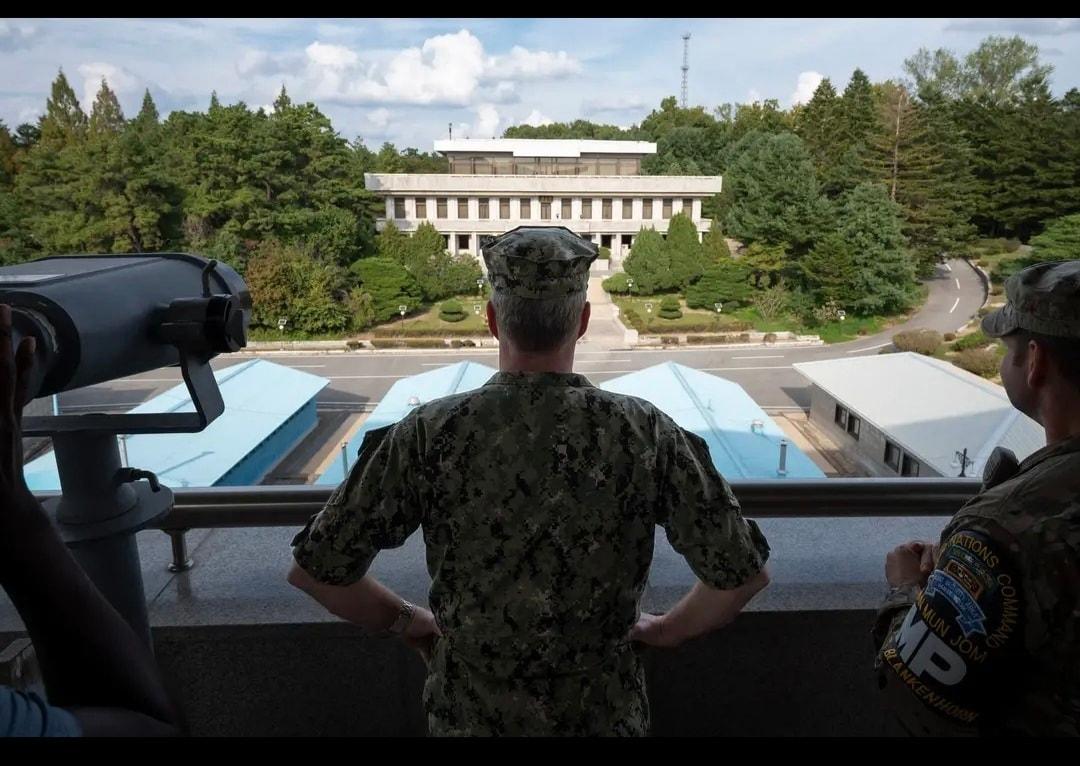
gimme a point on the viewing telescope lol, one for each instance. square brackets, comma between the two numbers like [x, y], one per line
[96, 318]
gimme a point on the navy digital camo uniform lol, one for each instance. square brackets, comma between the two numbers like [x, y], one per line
[538, 495]
[991, 645]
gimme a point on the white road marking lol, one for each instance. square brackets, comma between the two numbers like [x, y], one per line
[958, 283]
[868, 348]
[954, 306]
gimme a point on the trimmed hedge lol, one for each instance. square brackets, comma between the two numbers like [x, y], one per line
[925, 342]
[670, 309]
[982, 362]
[452, 311]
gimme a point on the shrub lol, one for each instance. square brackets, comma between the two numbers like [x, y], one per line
[982, 362]
[451, 311]
[616, 284]
[925, 342]
[976, 339]
[669, 308]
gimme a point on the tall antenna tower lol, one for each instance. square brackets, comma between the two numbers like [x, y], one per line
[685, 65]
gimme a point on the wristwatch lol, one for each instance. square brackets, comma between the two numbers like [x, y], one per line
[406, 612]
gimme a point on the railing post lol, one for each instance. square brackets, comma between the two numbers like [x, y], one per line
[180, 560]
[782, 470]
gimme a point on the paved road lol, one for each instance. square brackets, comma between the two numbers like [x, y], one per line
[358, 380]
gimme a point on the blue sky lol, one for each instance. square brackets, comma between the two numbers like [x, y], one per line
[404, 80]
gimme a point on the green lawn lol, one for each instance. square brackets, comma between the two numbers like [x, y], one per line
[427, 321]
[697, 320]
[692, 320]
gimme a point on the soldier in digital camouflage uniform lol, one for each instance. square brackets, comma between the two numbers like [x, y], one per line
[981, 634]
[538, 495]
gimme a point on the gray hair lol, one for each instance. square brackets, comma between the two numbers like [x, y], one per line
[538, 326]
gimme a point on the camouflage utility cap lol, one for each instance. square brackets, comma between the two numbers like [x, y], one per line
[539, 262]
[1044, 298]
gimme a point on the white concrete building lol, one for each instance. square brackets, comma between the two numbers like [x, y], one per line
[911, 415]
[595, 188]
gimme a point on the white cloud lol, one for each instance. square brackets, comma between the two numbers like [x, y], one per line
[29, 114]
[536, 118]
[805, 87]
[523, 64]
[379, 118]
[487, 121]
[753, 96]
[331, 56]
[447, 69]
[1035, 27]
[504, 92]
[13, 37]
[255, 62]
[121, 81]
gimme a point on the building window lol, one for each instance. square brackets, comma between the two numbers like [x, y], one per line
[463, 241]
[440, 208]
[545, 208]
[688, 207]
[840, 417]
[609, 167]
[892, 456]
[853, 424]
[482, 166]
[484, 208]
[910, 466]
[463, 208]
[526, 208]
[607, 209]
[627, 209]
[567, 210]
[502, 166]
[421, 209]
[586, 209]
[646, 209]
[667, 208]
[504, 208]
[399, 208]
[446, 241]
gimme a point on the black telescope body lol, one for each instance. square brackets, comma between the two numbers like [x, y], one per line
[101, 317]
[97, 318]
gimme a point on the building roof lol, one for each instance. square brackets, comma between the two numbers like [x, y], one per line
[259, 397]
[722, 413]
[716, 409]
[406, 394]
[543, 147]
[930, 407]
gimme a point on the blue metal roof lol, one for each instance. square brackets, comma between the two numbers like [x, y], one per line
[721, 412]
[444, 381]
[260, 398]
[716, 409]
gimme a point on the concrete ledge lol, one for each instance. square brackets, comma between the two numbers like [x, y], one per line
[779, 674]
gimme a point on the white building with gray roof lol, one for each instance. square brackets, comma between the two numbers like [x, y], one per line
[910, 415]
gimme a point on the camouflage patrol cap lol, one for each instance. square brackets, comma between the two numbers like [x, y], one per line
[539, 262]
[1044, 298]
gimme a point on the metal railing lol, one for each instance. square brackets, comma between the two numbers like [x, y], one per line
[293, 505]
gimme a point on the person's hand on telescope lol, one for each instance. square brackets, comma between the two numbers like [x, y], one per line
[15, 368]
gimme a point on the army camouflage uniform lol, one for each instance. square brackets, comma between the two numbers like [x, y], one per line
[991, 645]
[538, 495]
